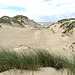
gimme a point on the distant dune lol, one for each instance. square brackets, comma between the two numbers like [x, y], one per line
[16, 21]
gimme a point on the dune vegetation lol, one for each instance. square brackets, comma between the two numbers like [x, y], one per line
[17, 21]
[68, 27]
[9, 20]
[5, 19]
[49, 35]
[65, 20]
[9, 59]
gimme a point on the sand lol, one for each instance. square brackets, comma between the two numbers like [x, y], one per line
[26, 38]
[43, 71]
[44, 38]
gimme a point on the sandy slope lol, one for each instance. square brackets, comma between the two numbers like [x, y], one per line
[43, 71]
[50, 39]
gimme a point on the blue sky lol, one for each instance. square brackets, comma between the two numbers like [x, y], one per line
[39, 10]
[13, 8]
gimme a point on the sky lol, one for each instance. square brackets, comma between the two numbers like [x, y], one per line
[39, 10]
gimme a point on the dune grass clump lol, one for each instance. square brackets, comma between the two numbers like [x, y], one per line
[68, 27]
[9, 59]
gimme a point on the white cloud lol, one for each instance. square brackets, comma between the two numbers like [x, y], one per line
[39, 9]
[4, 12]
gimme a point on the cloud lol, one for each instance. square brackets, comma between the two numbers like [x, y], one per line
[47, 0]
[39, 10]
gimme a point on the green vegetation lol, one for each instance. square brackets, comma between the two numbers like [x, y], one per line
[19, 16]
[64, 20]
[4, 20]
[64, 24]
[17, 19]
[5, 17]
[9, 59]
[73, 43]
[68, 27]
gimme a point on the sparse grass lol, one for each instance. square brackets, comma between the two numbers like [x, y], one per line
[9, 20]
[9, 59]
[64, 24]
[68, 27]
[16, 21]
[64, 20]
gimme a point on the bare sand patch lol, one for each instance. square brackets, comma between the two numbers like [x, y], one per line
[26, 38]
[43, 71]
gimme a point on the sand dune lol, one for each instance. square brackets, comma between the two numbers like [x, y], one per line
[50, 39]
[45, 38]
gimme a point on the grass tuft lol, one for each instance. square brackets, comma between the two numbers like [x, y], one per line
[9, 59]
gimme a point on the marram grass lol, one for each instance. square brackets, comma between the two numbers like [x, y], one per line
[9, 59]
